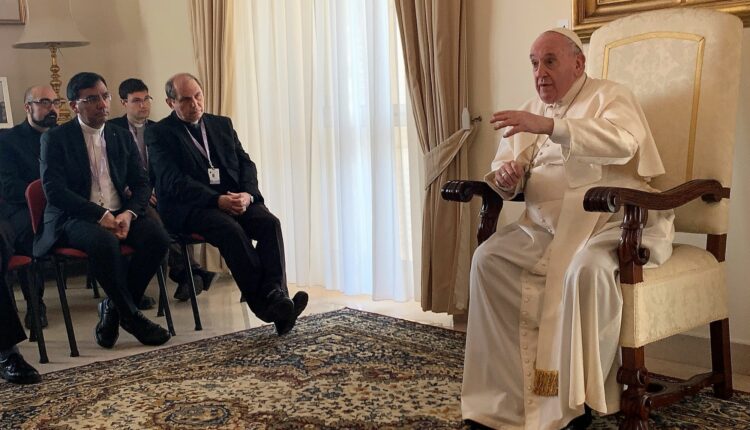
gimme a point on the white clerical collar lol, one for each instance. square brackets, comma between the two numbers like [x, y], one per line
[90, 130]
[572, 92]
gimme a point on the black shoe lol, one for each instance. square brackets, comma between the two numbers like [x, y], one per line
[300, 302]
[473, 425]
[146, 303]
[108, 328]
[16, 370]
[581, 422]
[146, 331]
[27, 320]
[206, 276]
[285, 325]
[182, 293]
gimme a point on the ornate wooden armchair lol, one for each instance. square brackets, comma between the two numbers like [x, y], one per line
[683, 65]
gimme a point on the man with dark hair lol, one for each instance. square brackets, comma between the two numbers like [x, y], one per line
[207, 184]
[13, 368]
[137, 102]
[19, 166]
[86, 168]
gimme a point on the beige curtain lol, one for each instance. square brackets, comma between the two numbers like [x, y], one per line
[433, 34]
[212, 27]
[211, 23]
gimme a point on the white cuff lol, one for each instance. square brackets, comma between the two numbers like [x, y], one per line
[561, 136]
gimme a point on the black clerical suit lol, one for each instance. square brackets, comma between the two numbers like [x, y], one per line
[122, 121]
[11, 330]
[19, 166]
[188, 202]
[71, 219]
[175, 260]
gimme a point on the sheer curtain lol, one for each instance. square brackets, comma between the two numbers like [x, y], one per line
[321, 108]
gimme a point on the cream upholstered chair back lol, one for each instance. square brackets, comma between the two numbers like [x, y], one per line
[683, 65]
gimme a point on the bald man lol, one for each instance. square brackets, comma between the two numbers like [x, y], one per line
[19, 166]
[545, 308]
[207, 184]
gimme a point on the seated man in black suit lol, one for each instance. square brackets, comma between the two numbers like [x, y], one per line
[19, 166]
[137, 102]
[97, 192]
[207, 184]
[13, 368]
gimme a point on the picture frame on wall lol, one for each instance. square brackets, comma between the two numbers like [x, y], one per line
[588, 15]
[12, 11]
[6, 118]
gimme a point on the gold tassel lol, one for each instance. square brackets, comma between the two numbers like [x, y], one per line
[545, 383]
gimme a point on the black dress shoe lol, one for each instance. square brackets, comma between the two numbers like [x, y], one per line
[146, 331]
[182, 293]
[27, 320]
[146, 303]
[285, 325]
[581, 422]
[107, 330]
[473, 425]
[300, 302]
[16, 370]
[207, 278]
[278, 307]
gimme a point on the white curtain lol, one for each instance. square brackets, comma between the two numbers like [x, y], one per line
[321, 109]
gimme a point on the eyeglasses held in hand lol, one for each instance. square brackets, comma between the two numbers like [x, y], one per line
[94, 98]
[47, 102]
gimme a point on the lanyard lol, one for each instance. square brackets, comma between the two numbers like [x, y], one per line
[202, 148]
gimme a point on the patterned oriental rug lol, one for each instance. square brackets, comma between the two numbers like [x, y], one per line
[345, 369]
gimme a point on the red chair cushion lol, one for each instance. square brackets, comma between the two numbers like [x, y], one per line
[17, 261]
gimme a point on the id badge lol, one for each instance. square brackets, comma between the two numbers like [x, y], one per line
[213, 176]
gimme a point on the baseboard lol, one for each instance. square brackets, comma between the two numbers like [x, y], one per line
[696, 351]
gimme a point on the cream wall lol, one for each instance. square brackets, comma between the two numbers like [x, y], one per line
[150, 40]
[500, 33]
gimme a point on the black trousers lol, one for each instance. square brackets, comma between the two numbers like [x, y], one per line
[11, 330]
[19, 219]
[258, 270]
[175, 260]
[124, 281]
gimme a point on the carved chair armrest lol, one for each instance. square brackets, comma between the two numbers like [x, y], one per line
[611, 199]
[637, 204]
[492, 203]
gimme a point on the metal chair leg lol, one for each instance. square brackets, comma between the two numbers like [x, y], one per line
[66, 310]
[191, 290]
[163, 303]
[12, 294]
[37, 283]
[91, 283]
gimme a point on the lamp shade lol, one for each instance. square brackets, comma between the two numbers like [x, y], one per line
[49, 23]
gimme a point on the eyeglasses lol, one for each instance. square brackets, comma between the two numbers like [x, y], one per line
[144, 101]
[95, 98]
[47, 102]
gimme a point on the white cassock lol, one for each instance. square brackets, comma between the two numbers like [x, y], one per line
[545, 301]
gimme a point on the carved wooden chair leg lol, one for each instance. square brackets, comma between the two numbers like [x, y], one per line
[635, 404]
[721, 359]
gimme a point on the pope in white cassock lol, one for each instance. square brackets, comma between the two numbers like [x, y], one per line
[545, 301]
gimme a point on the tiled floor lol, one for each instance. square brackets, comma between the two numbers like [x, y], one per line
[221, 313]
